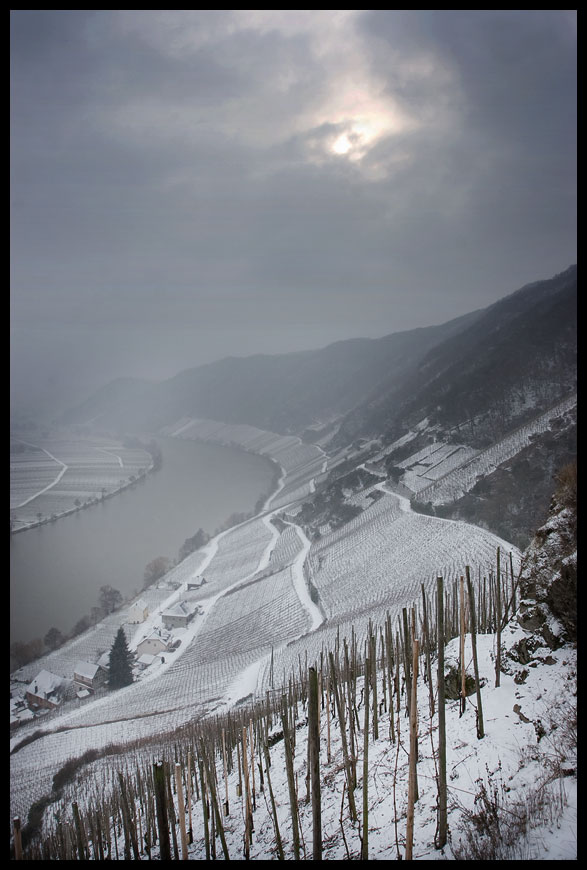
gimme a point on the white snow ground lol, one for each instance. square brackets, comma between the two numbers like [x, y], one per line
[524, 761]
[510, 756]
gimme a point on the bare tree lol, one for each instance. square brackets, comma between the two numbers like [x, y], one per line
[157, 568]
[54, 638]
[109, 599]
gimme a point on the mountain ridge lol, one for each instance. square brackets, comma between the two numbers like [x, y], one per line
[521, 339]
[369, 386]
[471, 380]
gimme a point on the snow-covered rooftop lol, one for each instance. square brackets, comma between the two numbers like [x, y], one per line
[86, 669]
[45, 684]
[181, 608]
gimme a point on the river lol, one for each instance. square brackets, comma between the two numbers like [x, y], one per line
[56, 570]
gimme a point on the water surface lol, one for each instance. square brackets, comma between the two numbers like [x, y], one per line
[56, 570]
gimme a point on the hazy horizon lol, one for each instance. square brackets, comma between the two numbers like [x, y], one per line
[188, 185]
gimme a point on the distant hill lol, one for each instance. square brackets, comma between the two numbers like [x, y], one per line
[515, 359]
[284, 393]
[473, 378]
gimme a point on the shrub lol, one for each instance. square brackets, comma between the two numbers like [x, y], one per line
[67, 773]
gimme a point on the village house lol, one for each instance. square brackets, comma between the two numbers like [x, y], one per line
[180, 615]
[196, 583]
[138, 612]
[155, 643]
[88, 676]
[46, 690]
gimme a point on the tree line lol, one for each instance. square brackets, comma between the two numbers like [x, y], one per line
[24, 652]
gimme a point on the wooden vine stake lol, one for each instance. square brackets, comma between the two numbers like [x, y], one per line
[278, 842]
[239, 785]
[161, 804]
[226, 804]
[373, 678]
[248, 804]
[293, 798]
[442, 800]
[463, 700]
[365, 840]
[205, 814]
[181, 811]
[252, 746]
[328, 718]
[189, 797]
[217, 826]
[79, 832]
[406, 651]
[17, 838]
[427, 650]
[130, 832]
[314, 756]
[498, 605]
[480, 726]
[413, 752]
[171, 811]
[345, 751]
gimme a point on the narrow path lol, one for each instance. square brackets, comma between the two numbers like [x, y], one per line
[110, 453]
[300, 583]
[406, 507]
[245, 683]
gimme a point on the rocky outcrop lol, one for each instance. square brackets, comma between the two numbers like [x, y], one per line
[548, 579]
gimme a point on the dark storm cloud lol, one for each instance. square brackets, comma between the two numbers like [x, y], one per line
[191, 184]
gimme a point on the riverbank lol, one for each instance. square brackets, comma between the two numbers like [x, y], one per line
[92, 469]
[58, 570]
[81, 507]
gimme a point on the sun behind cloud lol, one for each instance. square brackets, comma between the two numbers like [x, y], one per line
[360, 135]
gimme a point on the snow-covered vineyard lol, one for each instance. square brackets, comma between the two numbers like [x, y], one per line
[271, 604]
[58, 475]
[447, 480]
[238, 788]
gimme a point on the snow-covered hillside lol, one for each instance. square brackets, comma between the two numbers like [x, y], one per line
[512, 795]
[272, 603]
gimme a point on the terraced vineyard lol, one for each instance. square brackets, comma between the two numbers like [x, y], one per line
[238, 555]
[433, 462]
[31, 470]
[57, 475]
[378, 562]
[286, 549]
[459, 481]
[255, 606]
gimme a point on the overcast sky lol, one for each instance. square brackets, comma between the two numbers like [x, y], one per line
[188, 185]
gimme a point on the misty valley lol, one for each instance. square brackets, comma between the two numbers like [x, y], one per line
[404, 466]
[59, 565]
[293, 434]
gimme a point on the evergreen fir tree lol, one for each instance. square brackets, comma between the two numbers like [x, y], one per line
[120, 671]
